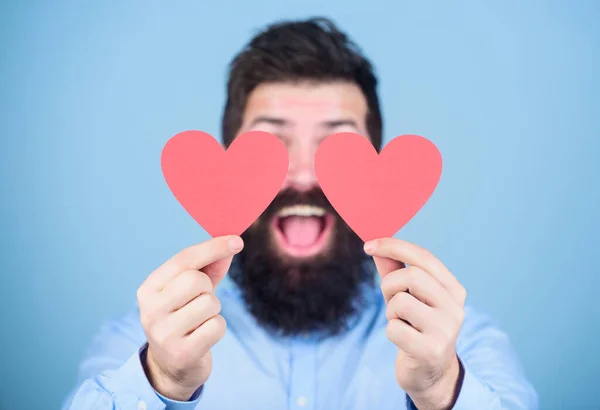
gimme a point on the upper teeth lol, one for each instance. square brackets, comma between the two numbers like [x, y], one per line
[301, 210]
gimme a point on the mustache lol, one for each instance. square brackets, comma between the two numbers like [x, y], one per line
[291, 196]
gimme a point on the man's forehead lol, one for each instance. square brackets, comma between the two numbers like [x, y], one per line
[332, 98]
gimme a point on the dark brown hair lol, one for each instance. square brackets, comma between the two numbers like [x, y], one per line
[313, 50]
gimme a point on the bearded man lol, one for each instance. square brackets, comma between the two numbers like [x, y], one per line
[299, 313]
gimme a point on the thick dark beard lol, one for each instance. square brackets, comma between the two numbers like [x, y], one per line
[292, 297]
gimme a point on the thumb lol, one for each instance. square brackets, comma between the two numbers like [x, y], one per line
[387, 265]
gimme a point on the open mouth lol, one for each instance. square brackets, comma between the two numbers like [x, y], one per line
[302, 230]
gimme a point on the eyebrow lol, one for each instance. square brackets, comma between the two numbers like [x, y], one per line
[280, 122]
[339, 123]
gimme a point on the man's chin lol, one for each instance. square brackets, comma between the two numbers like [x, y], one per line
[301, 267]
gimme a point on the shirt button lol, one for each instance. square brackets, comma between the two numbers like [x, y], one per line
[301, 401]
[142, 405]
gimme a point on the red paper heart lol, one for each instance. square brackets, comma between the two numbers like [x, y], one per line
[377, 194]
[224, 191]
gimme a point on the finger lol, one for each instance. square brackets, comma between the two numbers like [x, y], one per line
[404, 336]
[206, 336]
[184, 288]
[413, 255]
[198, 257]
[387, 265]
[418, 283]
[406, 307]
[195, 314]
[216, 271]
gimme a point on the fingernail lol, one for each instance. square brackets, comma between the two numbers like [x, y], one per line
[369, 247]
[236, 243]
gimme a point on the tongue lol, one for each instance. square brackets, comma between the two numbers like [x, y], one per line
[301, 230]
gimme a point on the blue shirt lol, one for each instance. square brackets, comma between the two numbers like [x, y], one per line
[252, 369]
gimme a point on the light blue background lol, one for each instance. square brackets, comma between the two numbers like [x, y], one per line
[90, 92]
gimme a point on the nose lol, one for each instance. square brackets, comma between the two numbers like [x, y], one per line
[301, 172]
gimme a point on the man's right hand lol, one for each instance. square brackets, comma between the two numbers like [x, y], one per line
[180, 316]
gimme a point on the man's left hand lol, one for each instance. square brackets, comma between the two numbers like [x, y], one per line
[425, 311]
